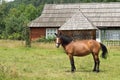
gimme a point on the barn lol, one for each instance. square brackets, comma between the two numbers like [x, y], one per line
[100, 21]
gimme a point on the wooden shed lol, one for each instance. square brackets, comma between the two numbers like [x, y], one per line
[104, 16]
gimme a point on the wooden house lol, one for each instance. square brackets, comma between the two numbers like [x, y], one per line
[81, 19]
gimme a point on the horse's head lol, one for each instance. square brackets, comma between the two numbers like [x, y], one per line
[62, 39]
[58, 39]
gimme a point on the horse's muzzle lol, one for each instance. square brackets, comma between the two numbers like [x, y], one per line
[57, 45]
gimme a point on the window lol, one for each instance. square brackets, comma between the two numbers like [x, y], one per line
[113, 34]
[50, 32]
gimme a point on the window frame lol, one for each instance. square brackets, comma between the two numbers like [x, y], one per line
[50, 32]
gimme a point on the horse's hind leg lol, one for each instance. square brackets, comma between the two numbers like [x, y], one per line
[72, 63]
[96, 62]
[94, 69]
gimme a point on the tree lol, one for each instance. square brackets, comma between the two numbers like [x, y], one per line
[17, 20]
[2, 15]
[30, 12]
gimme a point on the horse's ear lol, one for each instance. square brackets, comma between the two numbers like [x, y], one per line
[56, 34]
[59, 34]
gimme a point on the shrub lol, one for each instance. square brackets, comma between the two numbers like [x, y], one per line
[15, 36]
[43, 39]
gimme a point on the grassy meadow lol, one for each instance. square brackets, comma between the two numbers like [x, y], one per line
[43, 61]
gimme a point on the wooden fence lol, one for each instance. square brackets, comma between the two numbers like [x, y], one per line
[112, 42]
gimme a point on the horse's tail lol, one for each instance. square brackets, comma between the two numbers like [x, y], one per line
[104, 51]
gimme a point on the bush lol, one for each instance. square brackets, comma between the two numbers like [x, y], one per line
[43, 39]
[15, 36]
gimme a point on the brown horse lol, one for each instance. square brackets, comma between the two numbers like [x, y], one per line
[81, 48]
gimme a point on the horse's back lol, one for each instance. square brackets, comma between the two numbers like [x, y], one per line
[94, 45]
[82, 47]
[89, 43]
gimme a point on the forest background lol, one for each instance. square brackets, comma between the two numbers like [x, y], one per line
[15, 15]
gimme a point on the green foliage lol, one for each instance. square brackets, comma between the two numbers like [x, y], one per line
[15, 21]
[14, 36]
[43, 39]
[2, 15]
[30, 12]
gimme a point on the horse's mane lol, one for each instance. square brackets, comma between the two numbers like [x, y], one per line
[66, 39]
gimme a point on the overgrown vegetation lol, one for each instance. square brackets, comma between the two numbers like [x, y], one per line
[14, 16]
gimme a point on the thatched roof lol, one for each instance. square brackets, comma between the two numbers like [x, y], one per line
[78, 22]
[99, 14]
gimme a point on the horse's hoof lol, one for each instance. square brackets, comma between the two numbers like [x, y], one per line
[94, 70]
[97, 71]
[72, 71]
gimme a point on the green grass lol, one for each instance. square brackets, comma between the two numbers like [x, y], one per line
[43, 61]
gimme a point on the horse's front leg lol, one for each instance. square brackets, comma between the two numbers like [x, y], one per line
[72, 63]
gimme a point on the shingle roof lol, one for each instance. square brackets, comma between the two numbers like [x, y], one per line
[78, 22]
[100, 14]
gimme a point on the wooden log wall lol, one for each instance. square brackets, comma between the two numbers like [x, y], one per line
[80, 34]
